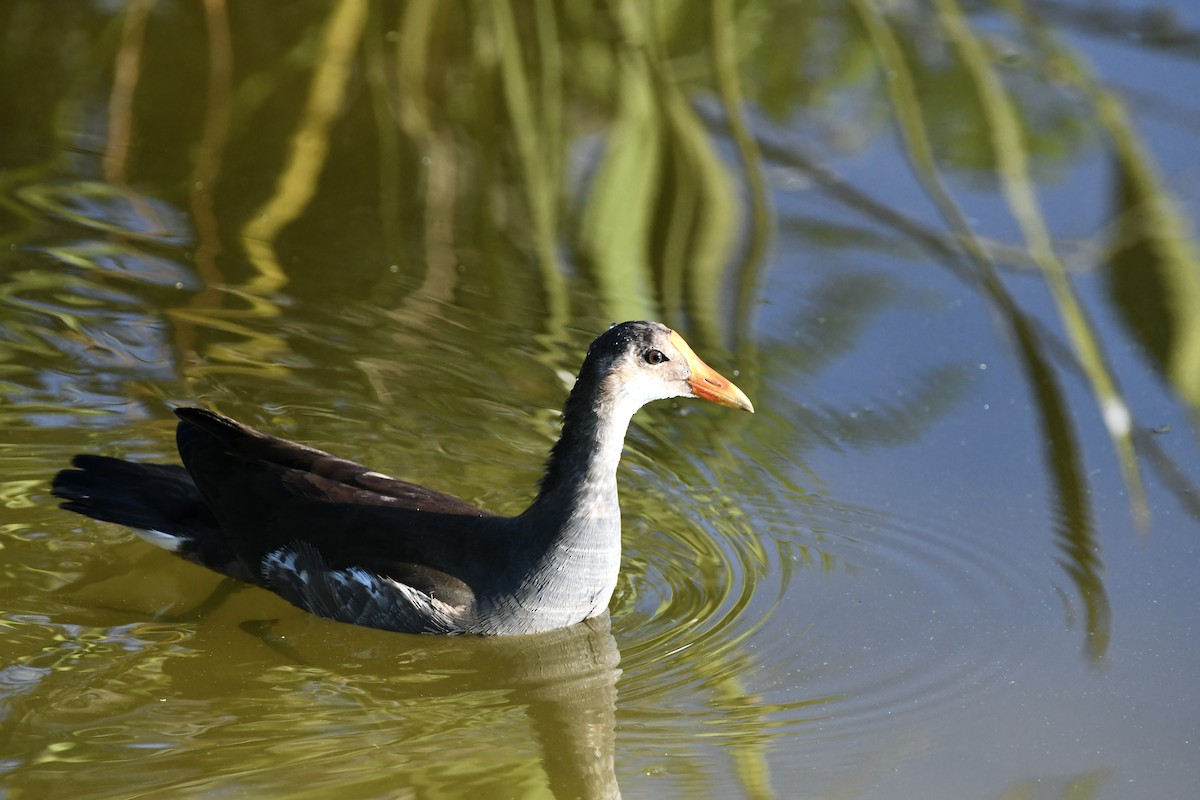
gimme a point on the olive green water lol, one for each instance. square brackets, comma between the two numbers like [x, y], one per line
[948, 250]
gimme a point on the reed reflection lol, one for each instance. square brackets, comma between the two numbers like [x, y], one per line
[565, 680]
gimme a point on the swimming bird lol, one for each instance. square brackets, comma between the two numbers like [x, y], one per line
[346, 542]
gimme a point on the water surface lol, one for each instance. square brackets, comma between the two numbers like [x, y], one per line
[948, 251]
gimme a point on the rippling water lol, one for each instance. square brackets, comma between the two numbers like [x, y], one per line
[752, 622]
[920, 570]
[932, 617]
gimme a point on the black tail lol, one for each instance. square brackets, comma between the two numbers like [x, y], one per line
[160, 498]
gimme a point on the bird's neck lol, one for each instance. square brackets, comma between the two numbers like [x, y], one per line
[576, 516]
[580, 483]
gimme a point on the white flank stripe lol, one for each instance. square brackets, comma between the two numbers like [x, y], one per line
[166, 541]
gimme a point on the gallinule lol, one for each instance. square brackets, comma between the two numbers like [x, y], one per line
[351, 544]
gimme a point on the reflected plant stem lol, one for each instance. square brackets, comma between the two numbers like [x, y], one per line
[1157, 217]
[947, 246]
[126, 76]
[725, 70]
[125, 80]
[212, 141]
[208, 170]
[749, 753]
[1075, 531]
[906, 105]
[1174, 244]
[683, 206]
[1074, 523]
[615, 224]
[919, 150]
[533, 138]
[691, 219]
[683, 203]
[1013, 169]
[618, 208]
[705, 215]
[390, 174]
[255, 349]
[552, 114]
[256, 352]
[421, 308]
[308, 148]
[1174, 478]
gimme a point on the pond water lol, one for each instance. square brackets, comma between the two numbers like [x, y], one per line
[948, 250]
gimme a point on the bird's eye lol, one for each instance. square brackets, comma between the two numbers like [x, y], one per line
[655, 357]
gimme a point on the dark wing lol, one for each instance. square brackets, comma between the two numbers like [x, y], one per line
[273, 497]
[252, 445]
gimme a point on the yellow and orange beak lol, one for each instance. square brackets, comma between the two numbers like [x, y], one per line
[708, 384]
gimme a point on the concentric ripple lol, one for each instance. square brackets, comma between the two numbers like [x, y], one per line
[849, 619]
[702, 588]
[930, 614]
